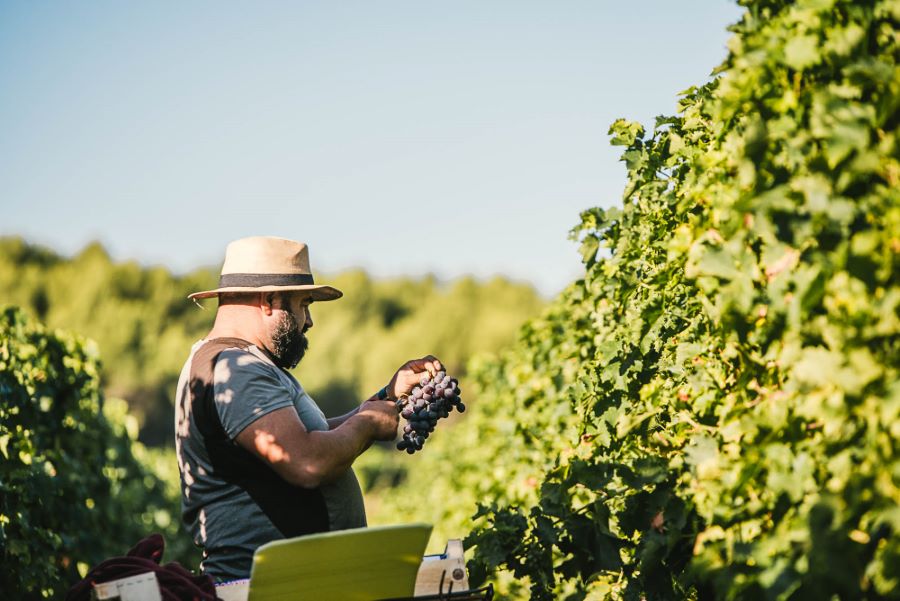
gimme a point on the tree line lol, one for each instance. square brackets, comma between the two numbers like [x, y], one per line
[144, 325]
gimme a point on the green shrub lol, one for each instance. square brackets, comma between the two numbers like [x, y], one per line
[71, 491]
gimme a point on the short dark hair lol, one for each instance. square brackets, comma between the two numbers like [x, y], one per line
[237, 298]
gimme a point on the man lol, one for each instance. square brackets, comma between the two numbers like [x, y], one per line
[258, 459]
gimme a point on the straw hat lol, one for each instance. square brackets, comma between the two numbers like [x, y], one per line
[268, 264]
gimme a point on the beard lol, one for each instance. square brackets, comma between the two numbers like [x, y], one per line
[289, 342]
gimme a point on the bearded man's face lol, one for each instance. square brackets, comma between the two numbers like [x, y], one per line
[289, 342]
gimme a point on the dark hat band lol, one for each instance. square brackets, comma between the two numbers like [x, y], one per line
[258, 280]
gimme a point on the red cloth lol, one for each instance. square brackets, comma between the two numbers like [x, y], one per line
[175, 582]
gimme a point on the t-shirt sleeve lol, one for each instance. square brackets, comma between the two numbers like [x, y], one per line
[246, 388]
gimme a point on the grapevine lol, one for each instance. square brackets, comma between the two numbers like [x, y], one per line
[735, 340]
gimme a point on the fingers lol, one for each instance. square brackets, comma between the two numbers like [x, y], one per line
[435, 364]
[428, 363]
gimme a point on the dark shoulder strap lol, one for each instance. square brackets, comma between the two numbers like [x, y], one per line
[294, 511]
[203, 396]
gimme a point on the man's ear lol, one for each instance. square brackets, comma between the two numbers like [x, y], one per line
[266, 301]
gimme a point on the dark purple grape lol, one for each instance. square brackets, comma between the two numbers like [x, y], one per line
[432, 400]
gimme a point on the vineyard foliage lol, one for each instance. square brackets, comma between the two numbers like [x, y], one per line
[75, 487]
[713, 411]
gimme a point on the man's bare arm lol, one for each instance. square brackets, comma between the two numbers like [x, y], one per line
[309, 459]
[334, 422]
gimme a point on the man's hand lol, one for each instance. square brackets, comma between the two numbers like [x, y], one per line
[410, 373]
[383, 416]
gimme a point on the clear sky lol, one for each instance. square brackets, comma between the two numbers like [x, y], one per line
[401, 137]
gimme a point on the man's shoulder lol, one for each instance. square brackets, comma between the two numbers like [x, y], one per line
[240, 366]
[245, 359]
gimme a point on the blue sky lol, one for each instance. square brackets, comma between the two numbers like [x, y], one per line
[401, 137]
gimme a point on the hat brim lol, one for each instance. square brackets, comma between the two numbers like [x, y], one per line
[316, 291]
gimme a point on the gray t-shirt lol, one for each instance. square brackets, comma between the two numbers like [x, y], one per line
[223, 513]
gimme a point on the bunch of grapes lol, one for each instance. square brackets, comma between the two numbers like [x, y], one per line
[433, 399]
